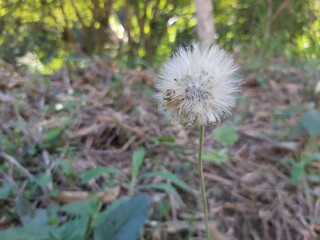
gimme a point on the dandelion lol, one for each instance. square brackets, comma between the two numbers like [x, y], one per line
[198, 86]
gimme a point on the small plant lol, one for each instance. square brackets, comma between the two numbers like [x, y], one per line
[226, 135]
[83, 219]
[310, 122]
[136, 177]
[301, 168]
[137, 161]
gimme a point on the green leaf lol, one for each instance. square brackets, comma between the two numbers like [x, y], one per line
[33, 149]
[217, 156]
[52, 134]
[162, 209]
[291, 111]
[166, 188]
[72, 103]
[81, 208]
[124, 222]
[24, 209]
[309, 157]
[35, 223]
[168, 176]
[313, 157]
[311, 122]
[40, 219]
[66, 167]
[29, 233]
[73, 230]
[168, 139]
[137, 160]
[226, 134]
[5, 190]
[98, 171]
[42, 179]
[17, 233]
[102, 215]
[54, 191]
[313, 178]
[297, 172]
[295, 131]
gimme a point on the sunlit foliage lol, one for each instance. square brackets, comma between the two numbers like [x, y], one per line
[143, 33]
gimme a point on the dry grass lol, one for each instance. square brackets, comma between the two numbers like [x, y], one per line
[110, 113]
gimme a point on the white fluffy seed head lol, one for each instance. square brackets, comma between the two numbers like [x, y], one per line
[198, 86]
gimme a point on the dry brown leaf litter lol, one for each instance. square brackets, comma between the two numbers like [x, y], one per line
[250, 197]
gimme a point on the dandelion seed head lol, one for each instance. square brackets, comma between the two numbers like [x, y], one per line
[198, 86]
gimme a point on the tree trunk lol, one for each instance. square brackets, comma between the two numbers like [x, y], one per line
[205, 25]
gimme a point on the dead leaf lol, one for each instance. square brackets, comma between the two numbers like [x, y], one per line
[108, 195]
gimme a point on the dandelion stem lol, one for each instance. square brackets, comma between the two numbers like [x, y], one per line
[203, 189]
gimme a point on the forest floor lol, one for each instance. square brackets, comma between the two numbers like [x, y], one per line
[261, 166]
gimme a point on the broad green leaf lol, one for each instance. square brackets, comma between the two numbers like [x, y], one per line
[72, 104]
[124, 222]
[311, 122]
[17, 233]
[168, 176]
[314, 156]
[42, 179]
[54, 191]
[5, 190]
[166, 188]
[226, 134]
[40, 219]
[102, 215]
[33, 149]
[137, 160]
[313, 178]
[39, 227]
[297, 172]
[98, 171]
[29, 233]
[24, 209]
[73, 230]
[80, 208]
[310, 157]
[162, 209]
[52, 134]
[35, 223]
[66, 167]
[291, 111]
[217, 156]
[168, 139]
[295, 132]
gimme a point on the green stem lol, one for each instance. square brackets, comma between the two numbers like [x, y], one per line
[203, 189]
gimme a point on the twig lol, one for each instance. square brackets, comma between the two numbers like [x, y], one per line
[46, 159]
[107, 195]
[13, 161]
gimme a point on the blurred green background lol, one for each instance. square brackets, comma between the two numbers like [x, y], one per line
[143, 33]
